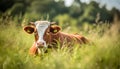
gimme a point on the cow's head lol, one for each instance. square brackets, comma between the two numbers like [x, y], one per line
[40, 28]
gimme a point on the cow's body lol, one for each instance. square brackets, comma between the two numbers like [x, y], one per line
[62, 37]
[51, 36]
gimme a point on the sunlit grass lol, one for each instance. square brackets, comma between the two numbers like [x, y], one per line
[101, 53]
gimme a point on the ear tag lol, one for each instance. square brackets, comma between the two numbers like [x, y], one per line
[28, 31]
[55, 31]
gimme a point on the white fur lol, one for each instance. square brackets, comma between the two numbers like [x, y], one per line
[41, 26]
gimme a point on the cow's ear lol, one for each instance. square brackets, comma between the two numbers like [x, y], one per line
[29, 29]
[55, 29]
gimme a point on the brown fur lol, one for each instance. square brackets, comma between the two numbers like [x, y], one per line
[52, 36]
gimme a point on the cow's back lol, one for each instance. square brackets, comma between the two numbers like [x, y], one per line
[65, 38]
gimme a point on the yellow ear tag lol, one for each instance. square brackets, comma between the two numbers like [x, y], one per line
[55, 31]
[28, 31]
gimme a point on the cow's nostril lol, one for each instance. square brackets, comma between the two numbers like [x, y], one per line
[40, 44]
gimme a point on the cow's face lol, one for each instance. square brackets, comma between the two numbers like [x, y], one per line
[40, 28]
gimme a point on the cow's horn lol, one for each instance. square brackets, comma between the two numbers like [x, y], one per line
[52, 23]
[31, 22]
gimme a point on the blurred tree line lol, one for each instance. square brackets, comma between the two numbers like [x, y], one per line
[55, 10]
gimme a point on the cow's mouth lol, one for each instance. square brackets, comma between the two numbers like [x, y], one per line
[42, 49]
[40, 46]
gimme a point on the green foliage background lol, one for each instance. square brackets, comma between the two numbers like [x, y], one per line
[100, 26]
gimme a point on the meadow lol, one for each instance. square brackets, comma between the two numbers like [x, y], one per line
[102, 53]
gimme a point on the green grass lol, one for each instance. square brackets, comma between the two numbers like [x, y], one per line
[102, 53]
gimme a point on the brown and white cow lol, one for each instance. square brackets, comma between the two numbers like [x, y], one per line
[47, 35]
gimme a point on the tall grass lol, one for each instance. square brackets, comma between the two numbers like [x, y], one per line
[102, 54]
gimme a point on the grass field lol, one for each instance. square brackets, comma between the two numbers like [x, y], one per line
[102, 53]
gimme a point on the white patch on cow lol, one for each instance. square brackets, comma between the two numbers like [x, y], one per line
[41, 26]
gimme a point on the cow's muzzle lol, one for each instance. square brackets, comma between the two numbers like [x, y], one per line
[40, 44]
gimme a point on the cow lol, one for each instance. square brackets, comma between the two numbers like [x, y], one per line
[48, 34]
